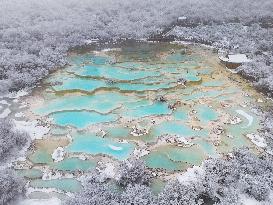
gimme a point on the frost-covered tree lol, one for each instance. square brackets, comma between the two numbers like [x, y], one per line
[35, 36]
[245, 173]
[222, 182]
[96, 192]
[11, 186]
[133, 171]
[176, 193]
[10, 140]
[138, 195]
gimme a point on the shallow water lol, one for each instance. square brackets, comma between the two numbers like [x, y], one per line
[74, 164]
[92, 144]
[106, 104]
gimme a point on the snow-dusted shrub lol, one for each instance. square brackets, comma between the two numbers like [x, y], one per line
[11, 186]
[255, 70]
[138, 195]
[11, 141]
[176, 193]
[245, 173]
[133, 171]
[95, 192]
[222, 182]
[266, 85]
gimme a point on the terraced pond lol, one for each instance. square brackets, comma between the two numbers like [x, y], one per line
[171, 105]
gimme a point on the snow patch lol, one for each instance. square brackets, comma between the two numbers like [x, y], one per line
[113, 147]
[191, 175]
[109, 171]
[257, 140]
[5, 113]
[58, 154]
[140, 153]
[235, 58]
[19, 114]
[32, 128]
[247, 116]
[51, 201]
[4, 102]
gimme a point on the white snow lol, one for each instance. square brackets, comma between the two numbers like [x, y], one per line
[58, 154]
[235, 58]
[19, 114]
[113, 147]
[4, 102]
[109, 171]
[181, 18]
[247, 116]
[238, 58]
[257, 140]
[247, 200]
[140, 153]
[35, 131]
[5, 113]
[19, 94]
[51, 201]
[90, 41]
[235, 120]
[191, 175]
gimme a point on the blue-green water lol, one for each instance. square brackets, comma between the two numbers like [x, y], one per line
[81, 119]
[67, 185]
[206, 113]
[177, 128]
[92, 144]
[109, 103]
[74, 164]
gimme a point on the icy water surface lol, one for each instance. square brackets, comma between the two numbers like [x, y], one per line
[171, 105]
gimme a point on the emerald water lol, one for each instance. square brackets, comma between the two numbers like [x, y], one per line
[174, 103]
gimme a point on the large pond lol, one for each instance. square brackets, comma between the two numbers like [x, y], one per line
[171, 105]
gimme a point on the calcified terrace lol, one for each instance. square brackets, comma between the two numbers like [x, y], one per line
[171, 105]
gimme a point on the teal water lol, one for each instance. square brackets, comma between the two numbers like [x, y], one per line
[172, 158]
[178, 128]
[149, 110]
[92, 144]
[180, 114]
[101, 96]
[67, 185]
[157, 160]
[30, 173]
[81, 119]
[115, 73]
[103, 103]
[206, 113]
[74, 164]
[117, 132]
[40, 157]
[213, 84]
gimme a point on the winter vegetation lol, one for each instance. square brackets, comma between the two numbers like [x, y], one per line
[35, 36]
[221, 182]
[254, 40]
[133, 171]
[11, 140]
[11, 186]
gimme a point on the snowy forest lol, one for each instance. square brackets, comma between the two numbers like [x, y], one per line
[36, 38]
